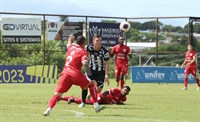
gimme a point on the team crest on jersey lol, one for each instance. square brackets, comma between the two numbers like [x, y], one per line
[124, 50]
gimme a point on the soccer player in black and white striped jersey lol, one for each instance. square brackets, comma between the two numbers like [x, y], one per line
[98, 63]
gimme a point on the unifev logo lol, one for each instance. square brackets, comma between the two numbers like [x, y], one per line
[154, 75]
[175, 75]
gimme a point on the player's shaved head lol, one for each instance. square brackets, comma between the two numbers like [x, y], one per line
[80, 40]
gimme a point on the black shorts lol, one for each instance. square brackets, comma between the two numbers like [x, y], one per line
[99, 76]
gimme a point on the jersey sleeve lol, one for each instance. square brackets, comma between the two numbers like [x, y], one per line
[129, 50]
[194, 54]
[106, 56]
[113, 50]
[84, 56]
[113, 90]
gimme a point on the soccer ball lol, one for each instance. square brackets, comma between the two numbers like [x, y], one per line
[125, 26]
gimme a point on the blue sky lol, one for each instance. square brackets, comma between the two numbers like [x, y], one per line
[113, 8]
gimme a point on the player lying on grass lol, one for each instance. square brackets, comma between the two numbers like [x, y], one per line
[110, 96]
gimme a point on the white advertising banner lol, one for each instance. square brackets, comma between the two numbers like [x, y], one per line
[53, 29]
[21, 30]
[62, 30]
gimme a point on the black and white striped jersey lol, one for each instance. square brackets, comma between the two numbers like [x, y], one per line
[97, 58]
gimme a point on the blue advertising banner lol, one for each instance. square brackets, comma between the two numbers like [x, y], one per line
[28, 74]
[109, 32]
[159, 75]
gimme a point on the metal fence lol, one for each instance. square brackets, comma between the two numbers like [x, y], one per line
[44, 50]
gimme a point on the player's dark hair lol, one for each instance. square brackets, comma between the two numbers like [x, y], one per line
[127, 87]
[97, 36]
[80, 40]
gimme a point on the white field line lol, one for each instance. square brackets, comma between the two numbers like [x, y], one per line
[80, 114]
[77, 114]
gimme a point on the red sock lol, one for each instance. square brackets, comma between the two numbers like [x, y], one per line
[121, 84]
[65, 98]
[78, 100]
[93, 92]
[185, 82]
[198, 82]
[53, 101]
[89, 102]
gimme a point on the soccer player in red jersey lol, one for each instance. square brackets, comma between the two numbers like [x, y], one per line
[110, 96]
[72, 75]
[121, 53]
[191, 66]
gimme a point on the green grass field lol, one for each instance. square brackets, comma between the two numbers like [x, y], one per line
[146, 103]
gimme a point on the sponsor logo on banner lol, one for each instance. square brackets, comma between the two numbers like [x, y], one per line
[150, 75]
[62, 30]
[159, 75]
[53, 29]
[175, 75]
[109, 32]
[21, 30]
[28, 74]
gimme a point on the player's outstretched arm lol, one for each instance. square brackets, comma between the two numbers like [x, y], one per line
[184, 63]
[130, 54]
[70, 40]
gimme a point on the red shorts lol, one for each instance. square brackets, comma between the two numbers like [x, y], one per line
[121, 70]
[66, 81]
[192, 70]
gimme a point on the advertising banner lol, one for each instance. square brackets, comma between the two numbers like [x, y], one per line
[21, 30]
[159, 75]
[109, 32]
[28, 74]
[62, 30]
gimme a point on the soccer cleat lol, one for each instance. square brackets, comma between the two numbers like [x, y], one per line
[184, 88]
[99, 108]
[198, 88]
[70, 100]
[81, 105]
[46, 113]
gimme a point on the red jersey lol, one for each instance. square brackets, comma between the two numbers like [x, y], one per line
[114, 96]
[75, 56]
[121, 53]
[189, 57]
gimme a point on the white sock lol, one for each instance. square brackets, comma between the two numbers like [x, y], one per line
[96, 104]
[48, 109]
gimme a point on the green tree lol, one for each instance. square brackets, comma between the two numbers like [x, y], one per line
[168, 28]
[108, 21]
[196, 27]
[151, 25]
[64, 18]
[135, 25]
